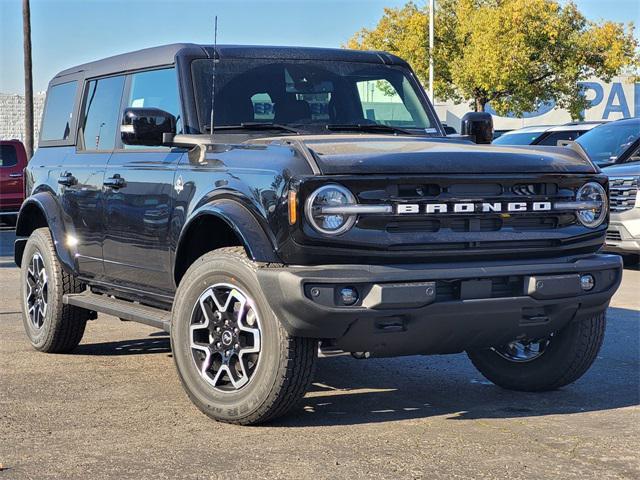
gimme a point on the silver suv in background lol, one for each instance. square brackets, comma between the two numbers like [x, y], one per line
[615, 147]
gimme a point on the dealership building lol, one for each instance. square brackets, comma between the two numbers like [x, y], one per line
[613, 100]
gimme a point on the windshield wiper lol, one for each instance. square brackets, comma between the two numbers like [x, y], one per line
[360, 127]
[254, 126]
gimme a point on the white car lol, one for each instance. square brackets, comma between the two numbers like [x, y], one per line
[545, 134]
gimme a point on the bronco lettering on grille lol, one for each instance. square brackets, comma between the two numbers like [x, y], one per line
[473, 207]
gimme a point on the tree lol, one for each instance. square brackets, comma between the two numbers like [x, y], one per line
[28, 78]
[516, 54]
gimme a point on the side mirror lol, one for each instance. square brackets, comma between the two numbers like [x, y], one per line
[146, 126]
[478, 125]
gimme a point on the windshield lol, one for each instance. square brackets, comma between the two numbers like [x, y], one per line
[309, 95]
[517, 138]
[606, 143]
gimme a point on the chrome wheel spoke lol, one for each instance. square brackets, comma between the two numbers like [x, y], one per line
[224, 337]
[523, 351]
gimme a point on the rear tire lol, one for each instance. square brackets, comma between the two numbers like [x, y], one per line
[51, 326]
[567, 356]
[234, 358]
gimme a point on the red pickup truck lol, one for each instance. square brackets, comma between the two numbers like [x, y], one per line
[13, 160]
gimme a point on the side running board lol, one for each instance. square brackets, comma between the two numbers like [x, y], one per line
[154, 317]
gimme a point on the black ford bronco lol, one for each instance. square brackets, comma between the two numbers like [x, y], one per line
[260, 203]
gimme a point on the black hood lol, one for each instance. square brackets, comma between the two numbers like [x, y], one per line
[384, 154]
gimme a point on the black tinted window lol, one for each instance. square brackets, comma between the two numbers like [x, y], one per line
[8, 156]
[56, 123]
[101, 112]
[553, 138]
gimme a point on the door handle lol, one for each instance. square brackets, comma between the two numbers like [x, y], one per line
[15, 175]
[114, 182]
[67, 179]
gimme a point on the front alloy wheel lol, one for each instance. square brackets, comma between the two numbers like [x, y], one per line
[225, 337]
[235, 359]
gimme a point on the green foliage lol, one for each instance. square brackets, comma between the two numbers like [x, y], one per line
[516, 54]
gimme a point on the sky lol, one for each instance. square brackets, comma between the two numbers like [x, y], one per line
[70, 32]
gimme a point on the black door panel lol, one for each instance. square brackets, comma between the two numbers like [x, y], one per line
[82, 202]
[137, 217]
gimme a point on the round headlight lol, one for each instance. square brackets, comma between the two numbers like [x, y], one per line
[594, 193]
[331, 223]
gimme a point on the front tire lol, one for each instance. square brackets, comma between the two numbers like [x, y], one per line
[51, 326]
[547, 364]
[234, 358]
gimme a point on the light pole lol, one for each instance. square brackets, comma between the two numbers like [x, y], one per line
[431, 7]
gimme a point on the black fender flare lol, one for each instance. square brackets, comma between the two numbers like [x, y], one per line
[45, 204]
[257, 239]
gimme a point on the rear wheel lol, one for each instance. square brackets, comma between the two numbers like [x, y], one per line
[235, 360]
[543, 364]
[51, 325]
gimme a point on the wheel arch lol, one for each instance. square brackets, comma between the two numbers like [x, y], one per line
[233, 224]
[38, 211]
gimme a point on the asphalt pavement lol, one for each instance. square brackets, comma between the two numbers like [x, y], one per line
[114, 408]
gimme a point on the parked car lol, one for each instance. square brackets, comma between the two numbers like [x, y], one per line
[545, 134]
[613, 143]
[498, 133]
[13, 161]
[616, 147]
[333, 221]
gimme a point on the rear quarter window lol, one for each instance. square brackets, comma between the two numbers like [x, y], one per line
[58, 112]
[8, 156]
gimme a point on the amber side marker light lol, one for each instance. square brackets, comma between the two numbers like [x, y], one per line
[293, 208]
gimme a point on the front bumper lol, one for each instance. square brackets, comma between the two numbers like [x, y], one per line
[426, 309]
[623, 235]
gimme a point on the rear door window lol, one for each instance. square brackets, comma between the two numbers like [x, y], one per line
[101, 112]
[58, 112]
[8, 157]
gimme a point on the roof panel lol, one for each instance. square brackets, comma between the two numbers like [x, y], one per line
[165, 55]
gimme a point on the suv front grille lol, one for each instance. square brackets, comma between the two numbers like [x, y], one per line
[435, 235]
[481, 190]
[531, 222]
[622, 193]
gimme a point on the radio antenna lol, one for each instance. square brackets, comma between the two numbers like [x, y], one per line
[213, 75]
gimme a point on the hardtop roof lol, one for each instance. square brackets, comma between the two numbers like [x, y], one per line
[166, 54]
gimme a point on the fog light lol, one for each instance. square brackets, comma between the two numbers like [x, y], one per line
[348, 295]
[587, 282]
